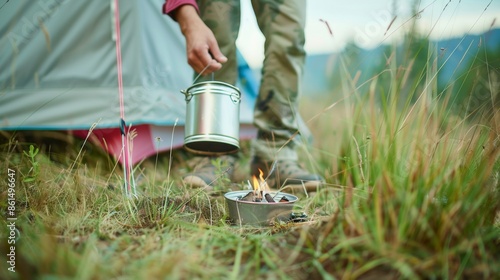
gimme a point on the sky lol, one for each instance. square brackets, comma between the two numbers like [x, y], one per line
[368, 23]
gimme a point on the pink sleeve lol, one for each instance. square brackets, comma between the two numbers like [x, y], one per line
[170, 5]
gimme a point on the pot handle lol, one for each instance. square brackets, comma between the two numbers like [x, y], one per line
[187, 95]
[235, 97]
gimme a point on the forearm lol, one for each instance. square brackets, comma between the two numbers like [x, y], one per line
[171, 7]
[201, 46]
[188, 18]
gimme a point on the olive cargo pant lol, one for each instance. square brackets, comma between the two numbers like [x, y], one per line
[276, 110]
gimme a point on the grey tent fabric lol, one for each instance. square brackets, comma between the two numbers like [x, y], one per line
[58, 66]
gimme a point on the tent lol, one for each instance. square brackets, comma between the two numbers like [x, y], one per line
[59, 72]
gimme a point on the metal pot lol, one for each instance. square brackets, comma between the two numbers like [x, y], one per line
[258, 213]
[212, 118]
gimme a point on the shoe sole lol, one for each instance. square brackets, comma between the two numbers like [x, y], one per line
[308, 186]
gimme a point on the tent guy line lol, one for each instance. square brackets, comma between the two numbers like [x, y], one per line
[129, 184]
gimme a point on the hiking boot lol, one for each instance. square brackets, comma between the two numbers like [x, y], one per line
[286, 174]
[205, 174]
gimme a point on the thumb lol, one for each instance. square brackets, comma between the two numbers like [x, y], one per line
[216, 53]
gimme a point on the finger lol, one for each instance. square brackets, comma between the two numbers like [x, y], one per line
[215, 52]
[214, 66]
[210, 68]
[208, 64]
[195, 62]
[205, 69]
[196, 67]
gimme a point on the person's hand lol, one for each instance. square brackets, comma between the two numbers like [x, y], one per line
[201, 45]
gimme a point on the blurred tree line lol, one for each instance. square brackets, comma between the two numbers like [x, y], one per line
[419, 69]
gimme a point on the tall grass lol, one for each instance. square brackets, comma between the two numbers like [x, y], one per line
[420, 186]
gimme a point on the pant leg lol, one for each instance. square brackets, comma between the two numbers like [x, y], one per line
[223, 18]
[276, 109]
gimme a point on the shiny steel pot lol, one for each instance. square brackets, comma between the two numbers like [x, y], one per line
[212, 118]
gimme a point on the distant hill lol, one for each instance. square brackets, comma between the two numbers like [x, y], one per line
[458, 52]
[453, 55]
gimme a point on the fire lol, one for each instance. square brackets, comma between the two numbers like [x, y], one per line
[261, 190]
[260, 185]
[255, 184]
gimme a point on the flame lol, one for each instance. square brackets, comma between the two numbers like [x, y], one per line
[261, 176]
[255, 184]
[259, 184]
